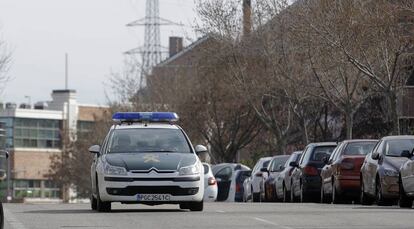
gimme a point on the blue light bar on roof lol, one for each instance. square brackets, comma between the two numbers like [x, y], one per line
[145, 117]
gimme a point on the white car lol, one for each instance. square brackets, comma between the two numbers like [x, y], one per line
[254, 185]
[210, 187]
[147, 159]
[230, 177]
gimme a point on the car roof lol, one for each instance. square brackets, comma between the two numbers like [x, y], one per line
[280, 156]
[323, 144]
[140, 125]
[398, 137]
[361, 140]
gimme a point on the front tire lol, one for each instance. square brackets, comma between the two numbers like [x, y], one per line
[255, 197]
[101, 206]
[93, 203]
[286, 195]
[404, 201]
[303, 196]
[324, 197]
[364, 199]
[381, 201]
[336, 197]
[196, 206]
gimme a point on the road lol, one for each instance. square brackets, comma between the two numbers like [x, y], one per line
[215, 215]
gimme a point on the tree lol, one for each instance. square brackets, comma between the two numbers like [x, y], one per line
[5, 61]
[71, 167]
[367, 34]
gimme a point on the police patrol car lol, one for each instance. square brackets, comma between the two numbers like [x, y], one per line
[147, 159]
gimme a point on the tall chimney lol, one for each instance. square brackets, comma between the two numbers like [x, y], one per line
[247, 17]
[176, 45]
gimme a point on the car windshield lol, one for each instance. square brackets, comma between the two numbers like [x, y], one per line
[394, 148]
[322, 151]
[359, 148]
[278, 163]
[148, 140]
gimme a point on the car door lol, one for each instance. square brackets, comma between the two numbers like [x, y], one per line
[223, 178]
[407, 176]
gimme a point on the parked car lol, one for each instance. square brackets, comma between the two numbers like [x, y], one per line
[210, 184]
[276, 165]
[381, 169]
[284, 178]
[340, 176]
[4, 155]
[306, 179]
[229, 177]
[253, 184]
[407, 179]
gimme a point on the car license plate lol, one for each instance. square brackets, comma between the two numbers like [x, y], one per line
[153, 197]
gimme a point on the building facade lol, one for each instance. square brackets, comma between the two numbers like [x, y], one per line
[33, 135]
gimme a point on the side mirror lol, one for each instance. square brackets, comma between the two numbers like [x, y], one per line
[293, 164]
[264, 170]
[406, 153]
[325, 160]
[280, 168]
[200, 149]
[375, 156]
[95, 149]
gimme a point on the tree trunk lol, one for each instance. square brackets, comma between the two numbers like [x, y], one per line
[349, 122]
[305, 137]
[393, 113]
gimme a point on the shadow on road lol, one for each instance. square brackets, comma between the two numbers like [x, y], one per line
[85, 211]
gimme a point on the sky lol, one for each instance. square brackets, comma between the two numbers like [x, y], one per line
[92, 32]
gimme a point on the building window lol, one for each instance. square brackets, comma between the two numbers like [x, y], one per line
[35, 189]
[36, 133]
[85, 126]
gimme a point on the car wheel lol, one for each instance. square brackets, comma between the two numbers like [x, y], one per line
[364, 199]
[286, 195]
[1, 216]
[303, 196]
[93, 203]
[336, 197]
[404, 200]
[324, 197]
[292, 194]
[256, 197]
[196, 206]
[101, 206]
[381, 201]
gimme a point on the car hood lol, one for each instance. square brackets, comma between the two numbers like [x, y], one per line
[395, 162]
[148, 161]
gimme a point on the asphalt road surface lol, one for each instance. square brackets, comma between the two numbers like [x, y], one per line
[215, 215]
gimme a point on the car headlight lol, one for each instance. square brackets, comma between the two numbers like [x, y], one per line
[390, 173]
[114, 170]
[189, 170]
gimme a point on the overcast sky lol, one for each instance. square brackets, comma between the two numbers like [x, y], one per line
[92, 32]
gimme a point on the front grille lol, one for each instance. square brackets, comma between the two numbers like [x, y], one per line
[132, 179]
[134, 190]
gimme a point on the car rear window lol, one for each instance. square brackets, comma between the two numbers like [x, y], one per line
[320, 152]
[359, 148]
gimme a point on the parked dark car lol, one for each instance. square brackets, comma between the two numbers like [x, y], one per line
[306, 179]
[276, 165]
[284, 178]
[3, 174]
[407, 180]
[341, 174]
[381, 169]
[229, 178]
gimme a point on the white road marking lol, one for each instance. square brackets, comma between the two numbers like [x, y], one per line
[12, 221]
[272, 223]
[220, 211]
